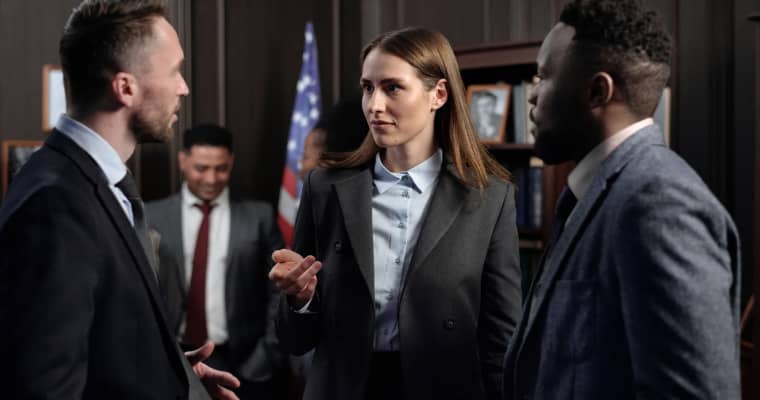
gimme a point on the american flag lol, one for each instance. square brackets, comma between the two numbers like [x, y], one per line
[305, 115]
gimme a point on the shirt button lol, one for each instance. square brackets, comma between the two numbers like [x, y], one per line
[405, 194]
[397, 261]
[449, 324]
[401, 225]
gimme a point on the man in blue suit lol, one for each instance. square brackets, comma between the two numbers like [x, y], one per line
[637, 296]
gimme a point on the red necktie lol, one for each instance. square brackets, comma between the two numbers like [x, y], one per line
[195, 324]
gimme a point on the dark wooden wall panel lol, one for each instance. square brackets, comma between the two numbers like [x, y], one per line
[742, 164]
[264, 42]
[155, 165]
[462, 22]
[29, 34]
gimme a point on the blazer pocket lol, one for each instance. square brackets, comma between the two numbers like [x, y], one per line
[570, 319]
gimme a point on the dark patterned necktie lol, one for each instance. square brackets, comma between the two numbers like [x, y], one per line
[129, 188]
[562, 211]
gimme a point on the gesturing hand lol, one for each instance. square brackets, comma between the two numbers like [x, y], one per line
[295, 276]
[213, 379]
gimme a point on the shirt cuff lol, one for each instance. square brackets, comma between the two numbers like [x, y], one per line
[305, 308]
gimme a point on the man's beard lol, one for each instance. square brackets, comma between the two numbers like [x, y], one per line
[151, 130]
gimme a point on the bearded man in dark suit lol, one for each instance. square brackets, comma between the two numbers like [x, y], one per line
[79, 303]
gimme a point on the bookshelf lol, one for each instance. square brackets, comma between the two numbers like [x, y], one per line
[514, 63]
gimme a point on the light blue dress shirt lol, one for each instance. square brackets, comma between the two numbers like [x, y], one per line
[102, 152]
[399, 201]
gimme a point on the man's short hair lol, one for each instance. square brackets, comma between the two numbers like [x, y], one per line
[629, 42]
[100, 39]
[207, 135]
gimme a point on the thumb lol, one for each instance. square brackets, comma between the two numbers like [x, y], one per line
[201, 353]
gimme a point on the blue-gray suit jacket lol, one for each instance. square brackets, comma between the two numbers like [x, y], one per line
[640, 296]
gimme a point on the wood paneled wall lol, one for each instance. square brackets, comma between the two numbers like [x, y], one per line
[29, 34]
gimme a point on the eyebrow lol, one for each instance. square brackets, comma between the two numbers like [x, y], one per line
[382, 82]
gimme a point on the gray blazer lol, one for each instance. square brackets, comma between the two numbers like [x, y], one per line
[250, 298]
[640, 298]
[458, 308]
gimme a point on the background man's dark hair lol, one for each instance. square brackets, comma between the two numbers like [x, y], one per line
[100, 39]
[207, 135]
[345, 125]
[629, 42]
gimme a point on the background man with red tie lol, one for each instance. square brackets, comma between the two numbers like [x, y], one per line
[214, 257]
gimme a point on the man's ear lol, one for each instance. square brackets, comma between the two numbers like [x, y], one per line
[602, 89]
[441, 95]
[181, 160]
[125, 89]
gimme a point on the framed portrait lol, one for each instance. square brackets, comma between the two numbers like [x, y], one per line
[53, 96]
[14, 156]
[489, 107]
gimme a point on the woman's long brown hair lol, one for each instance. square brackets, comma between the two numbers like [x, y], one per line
[430, 53]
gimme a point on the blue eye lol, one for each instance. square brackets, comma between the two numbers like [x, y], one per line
[366, 88]
[392, 88]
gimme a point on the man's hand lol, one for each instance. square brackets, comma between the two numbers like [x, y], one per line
[215, 381]
[295, 276]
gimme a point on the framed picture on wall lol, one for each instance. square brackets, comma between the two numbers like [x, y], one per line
[15, 153]
[53, 96]
[489, 107]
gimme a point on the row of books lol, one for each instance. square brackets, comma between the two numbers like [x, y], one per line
[529, 194]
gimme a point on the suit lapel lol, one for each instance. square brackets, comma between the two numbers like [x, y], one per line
[446, 202]
[355, 201]
[176, 241]
[585, 210]
[237, 233]
[106, 198]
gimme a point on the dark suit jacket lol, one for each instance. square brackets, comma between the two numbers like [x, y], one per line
[640, 296]
[251, 299]
[79, 308]
[459, 305]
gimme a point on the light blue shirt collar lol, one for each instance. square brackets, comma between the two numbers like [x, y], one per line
[91, 142]
[422, 175]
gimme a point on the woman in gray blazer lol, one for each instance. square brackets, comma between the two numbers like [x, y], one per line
[417, 288]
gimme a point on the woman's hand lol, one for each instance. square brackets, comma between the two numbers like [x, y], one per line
[295, 276]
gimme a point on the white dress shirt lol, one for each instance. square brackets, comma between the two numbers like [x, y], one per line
[102, 152]
[216, 267]
[399, 201]
[580, 179]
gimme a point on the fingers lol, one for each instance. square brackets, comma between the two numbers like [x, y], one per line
[286, 255]
[217, 382]
[299, 278]
[221, 393]
[201, 353]
[222, 378]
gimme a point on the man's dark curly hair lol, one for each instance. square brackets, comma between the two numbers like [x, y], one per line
[629, 42]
